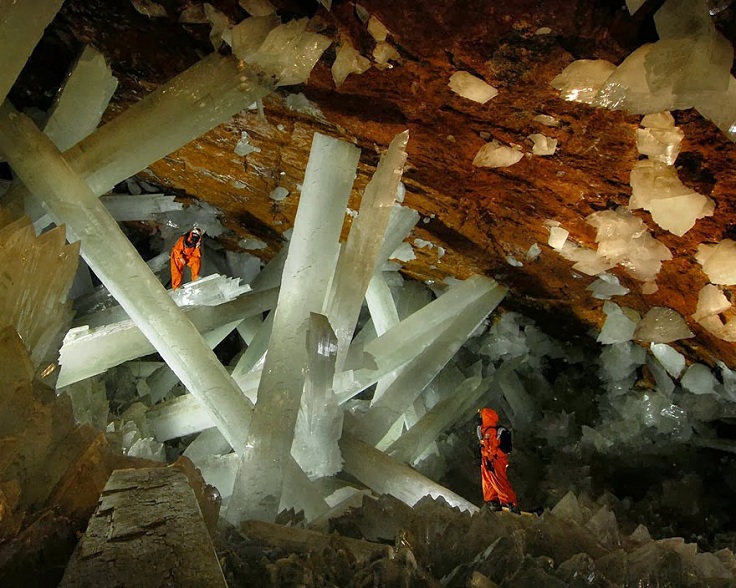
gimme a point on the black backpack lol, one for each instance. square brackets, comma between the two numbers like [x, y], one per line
[504, 439]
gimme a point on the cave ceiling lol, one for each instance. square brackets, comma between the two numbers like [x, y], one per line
[481, 217]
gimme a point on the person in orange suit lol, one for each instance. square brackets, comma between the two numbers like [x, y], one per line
[186, 252]
[495, 445]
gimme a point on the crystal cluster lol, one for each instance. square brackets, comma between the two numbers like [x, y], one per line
[654, 183]
[658, 76]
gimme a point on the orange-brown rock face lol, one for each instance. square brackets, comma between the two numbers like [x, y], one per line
[482, 217]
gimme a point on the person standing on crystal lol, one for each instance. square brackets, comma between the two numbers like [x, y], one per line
[495, 445]
[186, 252]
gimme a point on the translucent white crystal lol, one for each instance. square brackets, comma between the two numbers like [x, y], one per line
[348, 60]
[711, 302]
[90, 351]
[21, 27]
[670, 61]
[319, 422]
[415, 441]
[308, 270]
[718, 261]
[628, 89]
[220, 23]
[414, 377]
[244, 147]
[300, 103]
[543, 145]
[662, 325]
[82, 100]
[257, 7]
[243, 266]
[659, 120]
[125, 207]
[557, 237]
[246, 37]
[533, 252]
[149, 8]
[400, 343]
[387, 476]
[634, 5]
[618, 327]
[672, 360]
[661, 376]
[607, 285]
[621, 359]
[278, 193]
[660, 144]
[381, 304]
[209, 442]
[404, 252]
[624, 238]
[582, 79]
[359, 256]
[586, 260]
[720, 108]
[471, 87]
[377, 29]
[289, 52]
[656, 187]
[699, 379]
[193, 14]
[383, 53]
[547, 120]
[494, 154]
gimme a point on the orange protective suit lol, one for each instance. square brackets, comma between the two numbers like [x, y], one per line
[186, 252]
[494, 462]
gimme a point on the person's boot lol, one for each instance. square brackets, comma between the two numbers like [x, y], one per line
[493, 505]
[513, 508]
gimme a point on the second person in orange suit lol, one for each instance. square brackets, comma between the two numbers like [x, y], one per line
[495, 444]
[186, 252]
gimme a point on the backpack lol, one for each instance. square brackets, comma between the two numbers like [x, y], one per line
[504, 439]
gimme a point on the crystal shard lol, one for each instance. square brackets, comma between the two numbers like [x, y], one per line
[348, 61]
[494, 154]
[468, 86]
[82, 100]
[719, 261]
[662, 325]
[319, 423]
[581, 80]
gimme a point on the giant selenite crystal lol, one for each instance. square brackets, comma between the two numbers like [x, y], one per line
[309, 266]
[376, 423]
[21, 27]
[208, 93]
[82, 100]
[149, 522]
[359, 256]
[119, 266]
